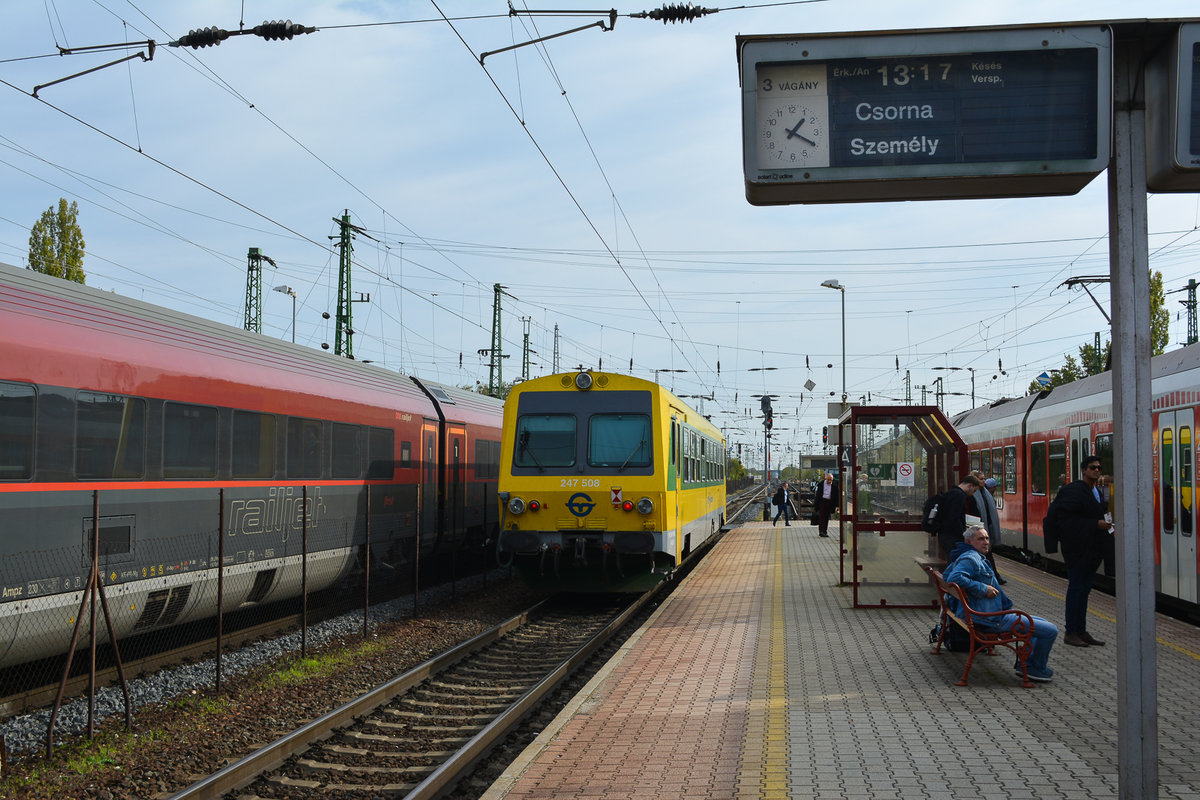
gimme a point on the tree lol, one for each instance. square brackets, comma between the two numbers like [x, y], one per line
[1160, 318]
[56, 243]
[734, 470]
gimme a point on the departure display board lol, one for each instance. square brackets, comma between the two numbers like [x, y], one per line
[925, 115]
[1173, 114]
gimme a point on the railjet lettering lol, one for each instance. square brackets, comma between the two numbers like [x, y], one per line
[283, 509]
[918, 145]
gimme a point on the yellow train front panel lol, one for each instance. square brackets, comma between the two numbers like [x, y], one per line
[607, 481]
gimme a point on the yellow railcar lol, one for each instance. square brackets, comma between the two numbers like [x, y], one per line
[607, 482]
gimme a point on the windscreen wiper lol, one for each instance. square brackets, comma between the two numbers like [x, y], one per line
[631, 455]
[523, 447]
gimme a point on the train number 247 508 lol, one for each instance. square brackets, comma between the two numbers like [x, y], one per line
[585, 483]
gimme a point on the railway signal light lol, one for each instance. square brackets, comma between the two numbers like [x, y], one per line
[825, 435]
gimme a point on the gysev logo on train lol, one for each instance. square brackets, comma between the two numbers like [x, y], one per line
[616, 496]
[580, 504]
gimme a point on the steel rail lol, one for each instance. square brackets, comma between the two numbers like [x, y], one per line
[455, 767]
[242, 772]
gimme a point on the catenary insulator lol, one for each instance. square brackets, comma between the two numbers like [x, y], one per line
[203, 37]
[677, 12]
[280, 30]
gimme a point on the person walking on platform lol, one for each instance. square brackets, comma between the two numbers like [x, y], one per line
[829, 497]
[781, 500]
[969, 568]
[952, 514]
[989, 517]
[1078, 514]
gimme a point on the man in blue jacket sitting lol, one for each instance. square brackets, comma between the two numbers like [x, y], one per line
[969, 568]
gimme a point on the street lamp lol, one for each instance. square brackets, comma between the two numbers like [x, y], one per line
[833, 284]
[285, 289]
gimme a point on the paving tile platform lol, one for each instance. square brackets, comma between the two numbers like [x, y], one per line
[758, 679]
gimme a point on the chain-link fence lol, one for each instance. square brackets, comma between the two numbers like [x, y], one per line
[234, 565]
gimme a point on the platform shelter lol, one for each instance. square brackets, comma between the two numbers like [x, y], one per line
[893, 458]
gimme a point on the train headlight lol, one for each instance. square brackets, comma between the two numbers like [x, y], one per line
[516, 505]
[583, 381]
[627, 505]
[645, 505]
[534, 505]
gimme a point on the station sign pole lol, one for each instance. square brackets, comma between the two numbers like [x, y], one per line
[1137, 667]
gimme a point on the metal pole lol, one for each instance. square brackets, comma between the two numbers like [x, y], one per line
[293, 317]
[843, 291]
[367, 576]
[92, 594]
[304, 573]
[220, 585]
[1137, 691]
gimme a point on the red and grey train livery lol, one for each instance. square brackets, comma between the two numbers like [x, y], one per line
[1033, 444]
[158, 412]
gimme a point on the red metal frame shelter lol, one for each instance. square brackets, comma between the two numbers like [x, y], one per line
[893, 458]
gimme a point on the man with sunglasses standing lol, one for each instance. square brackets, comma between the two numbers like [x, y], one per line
[1079, 513]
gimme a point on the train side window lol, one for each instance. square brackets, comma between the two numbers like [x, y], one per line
[17, 404]
[110, 436]
[997, 465]
[619, 440]
[1010, 469]
[1166, 472]
[1037, 468]
[1185, 480]
[974, 460]
[545, 440]
[381, 453]
[347, 457]
[1104, 449]
[189, 441]
[303, 448]
[1056, 463]
[253, 445]
[674, 443]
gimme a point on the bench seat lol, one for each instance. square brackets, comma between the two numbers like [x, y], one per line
[1019, 639]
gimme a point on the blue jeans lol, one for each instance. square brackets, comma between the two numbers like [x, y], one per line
[1045, 633]
[783, 509]
[1080, 576]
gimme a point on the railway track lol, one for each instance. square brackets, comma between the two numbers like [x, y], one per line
[418, 734]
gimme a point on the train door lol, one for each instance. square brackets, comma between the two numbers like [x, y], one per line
[455, 486]
[1176, 512]
[675, 482]
[429, 473]
[1080, 449]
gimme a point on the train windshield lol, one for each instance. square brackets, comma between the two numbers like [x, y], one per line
[545, 440]
[619, 440]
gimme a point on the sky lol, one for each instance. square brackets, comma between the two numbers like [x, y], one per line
[597, 177]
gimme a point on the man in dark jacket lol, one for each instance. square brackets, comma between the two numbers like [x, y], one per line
[781, 501]
[952, 514]
[1078, 513]
[828, 498]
